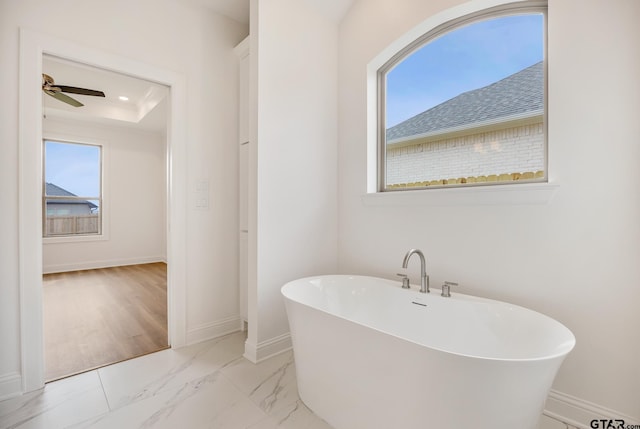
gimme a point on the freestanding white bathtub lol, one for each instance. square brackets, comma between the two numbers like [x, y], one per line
[369, 355]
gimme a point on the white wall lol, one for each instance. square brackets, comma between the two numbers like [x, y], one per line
[575, 258]
[134, 172]
[294, 57]
[194, 42]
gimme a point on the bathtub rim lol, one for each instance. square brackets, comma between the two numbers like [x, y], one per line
[566, 346]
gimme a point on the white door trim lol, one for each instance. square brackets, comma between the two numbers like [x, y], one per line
[32, 46]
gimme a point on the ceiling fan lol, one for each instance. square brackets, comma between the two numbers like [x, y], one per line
[56, 91]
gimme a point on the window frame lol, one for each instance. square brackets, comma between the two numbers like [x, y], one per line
[520, 8]
[103, 229]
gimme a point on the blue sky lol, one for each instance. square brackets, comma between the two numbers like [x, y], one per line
[74, 167]
[461, 60]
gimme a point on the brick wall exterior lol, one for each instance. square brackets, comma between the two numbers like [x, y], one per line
[513, 150]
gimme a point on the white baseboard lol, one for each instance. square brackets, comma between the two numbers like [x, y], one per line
[10, 385]
[90, 265]
[579, 413]
[214, 329]
[265, 349]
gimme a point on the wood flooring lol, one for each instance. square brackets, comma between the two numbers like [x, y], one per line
[94, 318]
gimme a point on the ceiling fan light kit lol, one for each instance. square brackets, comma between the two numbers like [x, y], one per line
[57, 91]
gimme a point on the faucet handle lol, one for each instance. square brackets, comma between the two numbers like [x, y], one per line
[405, 280]
[446, 289]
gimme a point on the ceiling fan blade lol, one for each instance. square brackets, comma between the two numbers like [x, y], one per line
[47, 80]
[64, 98]
[82, 91]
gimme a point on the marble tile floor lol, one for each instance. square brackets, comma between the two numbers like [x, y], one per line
[208, 385]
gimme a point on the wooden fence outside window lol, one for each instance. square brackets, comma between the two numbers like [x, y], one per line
[72, 225]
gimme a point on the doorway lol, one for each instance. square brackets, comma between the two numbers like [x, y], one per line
[104, 210]
[32, 48]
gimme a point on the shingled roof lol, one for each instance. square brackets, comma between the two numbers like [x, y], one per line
[518, 94]
[57, 191]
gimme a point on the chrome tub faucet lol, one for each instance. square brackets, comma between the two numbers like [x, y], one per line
[424, 278]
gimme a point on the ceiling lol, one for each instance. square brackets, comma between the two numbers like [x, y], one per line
[234, 9]
[145, 108]
[239, 9]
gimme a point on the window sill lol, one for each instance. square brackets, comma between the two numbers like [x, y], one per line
[74, 239]
[520, 194]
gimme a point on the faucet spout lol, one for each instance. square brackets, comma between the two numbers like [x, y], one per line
[424, 278]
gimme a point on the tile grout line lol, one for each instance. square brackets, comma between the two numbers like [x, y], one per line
[104, 392]
[266, 416]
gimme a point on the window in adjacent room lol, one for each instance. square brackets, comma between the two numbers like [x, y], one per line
[465, 104]
[72, 189]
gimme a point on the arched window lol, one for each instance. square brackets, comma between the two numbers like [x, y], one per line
[464, 105]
